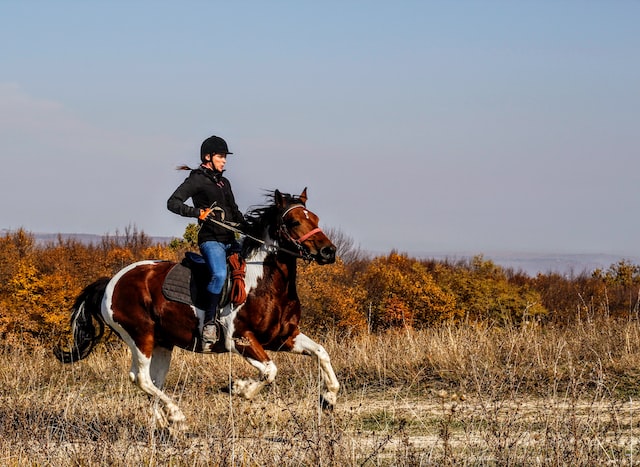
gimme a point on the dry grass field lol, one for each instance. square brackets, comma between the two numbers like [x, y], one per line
[453, 395]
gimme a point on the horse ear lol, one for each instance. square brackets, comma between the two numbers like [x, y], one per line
[277, 196]
[303, 195]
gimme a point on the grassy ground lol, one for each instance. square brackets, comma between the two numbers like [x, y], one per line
[445, 396]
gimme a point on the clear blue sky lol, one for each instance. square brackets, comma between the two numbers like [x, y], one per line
[424, 126]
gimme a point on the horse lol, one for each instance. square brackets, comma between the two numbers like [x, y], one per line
[133, 305]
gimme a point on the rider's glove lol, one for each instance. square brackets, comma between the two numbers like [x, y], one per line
[206, 214]
[211, 214]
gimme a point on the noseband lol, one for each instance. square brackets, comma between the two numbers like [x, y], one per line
[285, 233]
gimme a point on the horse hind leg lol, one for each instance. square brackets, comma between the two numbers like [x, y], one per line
[160, 362]
[302, 344]
[149, 375]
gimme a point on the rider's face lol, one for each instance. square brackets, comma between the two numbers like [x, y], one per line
[218, 161]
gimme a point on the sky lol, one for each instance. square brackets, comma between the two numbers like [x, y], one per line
[417, 126]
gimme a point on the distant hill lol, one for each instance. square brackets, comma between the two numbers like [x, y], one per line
[534, 263]
[43, 238]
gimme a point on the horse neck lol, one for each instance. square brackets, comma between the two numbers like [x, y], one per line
[287, 265]
[279, 262]
[288, 262]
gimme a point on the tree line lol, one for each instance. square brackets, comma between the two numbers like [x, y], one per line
[357, 294]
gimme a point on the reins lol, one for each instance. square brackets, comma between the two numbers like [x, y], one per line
[271, 247]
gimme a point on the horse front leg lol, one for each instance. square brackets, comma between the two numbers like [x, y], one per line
[302, 344]
[249, 347]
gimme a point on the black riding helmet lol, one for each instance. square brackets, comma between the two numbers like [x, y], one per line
[213, 145]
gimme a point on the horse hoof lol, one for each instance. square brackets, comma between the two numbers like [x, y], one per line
[241, 388]
[174, 416]
[327, 402]
[246, 388]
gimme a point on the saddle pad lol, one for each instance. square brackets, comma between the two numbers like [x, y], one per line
[187, 281]
[177, 285]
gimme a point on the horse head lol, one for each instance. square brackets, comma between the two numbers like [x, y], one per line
[298, 226]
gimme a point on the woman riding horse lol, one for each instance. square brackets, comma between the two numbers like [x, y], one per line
[133, 305]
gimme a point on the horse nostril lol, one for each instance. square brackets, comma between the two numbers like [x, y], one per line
[328, 252]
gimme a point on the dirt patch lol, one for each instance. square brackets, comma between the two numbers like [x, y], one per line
[458, 427]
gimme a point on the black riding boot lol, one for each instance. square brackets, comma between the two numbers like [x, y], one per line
[210, 329]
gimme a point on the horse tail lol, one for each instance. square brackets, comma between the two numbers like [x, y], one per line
[85, 309]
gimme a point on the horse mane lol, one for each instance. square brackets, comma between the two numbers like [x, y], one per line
[263, 218]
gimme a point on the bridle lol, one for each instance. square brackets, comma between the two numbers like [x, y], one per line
[286, 234]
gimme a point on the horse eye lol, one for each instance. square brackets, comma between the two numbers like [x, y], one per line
[292, 224]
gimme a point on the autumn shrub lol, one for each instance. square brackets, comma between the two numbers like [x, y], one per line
[401, 292]
[485, 293]
[330, 302]
[39, 283]
[612, 292]
[569, 299]
[622, 288]
[13, 247]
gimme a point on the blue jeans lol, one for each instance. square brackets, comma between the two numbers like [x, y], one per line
[215, 255]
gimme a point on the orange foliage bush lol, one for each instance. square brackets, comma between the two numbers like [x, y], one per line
[329, 302]
[38, 284]
[614, 292]
[35, 302]
[401, 292]
[485, 293]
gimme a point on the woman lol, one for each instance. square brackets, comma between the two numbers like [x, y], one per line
[212, 199]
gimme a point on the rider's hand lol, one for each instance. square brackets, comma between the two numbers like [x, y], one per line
[204, 214]
[211, 214]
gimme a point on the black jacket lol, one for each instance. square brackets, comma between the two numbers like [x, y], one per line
[205, 187]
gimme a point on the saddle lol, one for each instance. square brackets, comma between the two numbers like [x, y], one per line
[186, 282]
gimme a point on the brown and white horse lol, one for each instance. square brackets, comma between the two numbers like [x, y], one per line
[133, 305]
